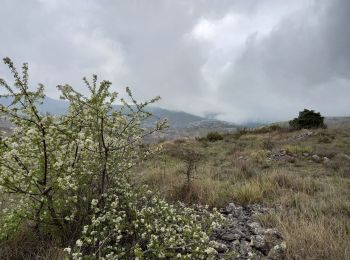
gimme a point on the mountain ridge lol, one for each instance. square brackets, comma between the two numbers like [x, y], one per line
[177, 119]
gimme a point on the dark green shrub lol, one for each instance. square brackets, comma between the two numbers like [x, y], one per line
[308, 119]
[214, 136]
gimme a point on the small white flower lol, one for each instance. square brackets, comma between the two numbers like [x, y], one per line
[79, 243]
[210, 250]
[94, 202]
[68, 250]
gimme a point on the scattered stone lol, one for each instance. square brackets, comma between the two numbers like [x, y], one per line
[255, 228]
[243, 237]
[273, 232]
[231, 207]
[243, 158]
[244, 248]
[304, 134]
[316, 158]
[258, 242]
[219, 247]
[230, 236]
[277, 252]
[345, 156]
[282, 155]
[326, 160]
[306, 154]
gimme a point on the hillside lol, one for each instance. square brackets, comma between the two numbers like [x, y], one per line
[181, 123]
[275, 187]
[337, 121]
[303, 176]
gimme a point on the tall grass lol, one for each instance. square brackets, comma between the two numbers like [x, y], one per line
[312, 201]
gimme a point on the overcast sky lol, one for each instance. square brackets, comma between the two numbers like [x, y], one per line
[242, 60]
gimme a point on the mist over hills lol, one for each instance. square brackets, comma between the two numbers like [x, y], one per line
[177, 119]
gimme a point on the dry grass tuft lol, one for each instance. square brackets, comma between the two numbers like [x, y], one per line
[26, 246]
[318, 238]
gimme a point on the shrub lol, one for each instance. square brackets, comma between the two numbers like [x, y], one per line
[297, 149]
[325, 138]
[69, 177]
[179, 141]
[240, 132]
[214, 136]
[260, 157]
[136, 223]
[191, 159]
[248, 194]
[267, 144]
[275, 127]
[307, 119]
[345, 172]
[246, 170]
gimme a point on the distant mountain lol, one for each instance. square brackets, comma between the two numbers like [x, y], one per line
[4, 125]
[50, 105]
[337, 121]
[182, 124]
[177, 119]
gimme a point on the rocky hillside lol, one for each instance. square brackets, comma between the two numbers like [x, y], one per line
[243, 237]
[291, 186]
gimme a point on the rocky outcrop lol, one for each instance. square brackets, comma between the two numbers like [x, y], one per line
[316, 158]
[304, 133]
[282, 155]
[242, 237]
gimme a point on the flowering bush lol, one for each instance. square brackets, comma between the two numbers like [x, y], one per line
[67, 176]
[137, 223]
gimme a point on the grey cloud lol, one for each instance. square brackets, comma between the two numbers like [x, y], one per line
[303, 62]
[255, 60]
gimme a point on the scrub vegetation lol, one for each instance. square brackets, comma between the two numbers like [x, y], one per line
[64, 181]
[275, 167]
